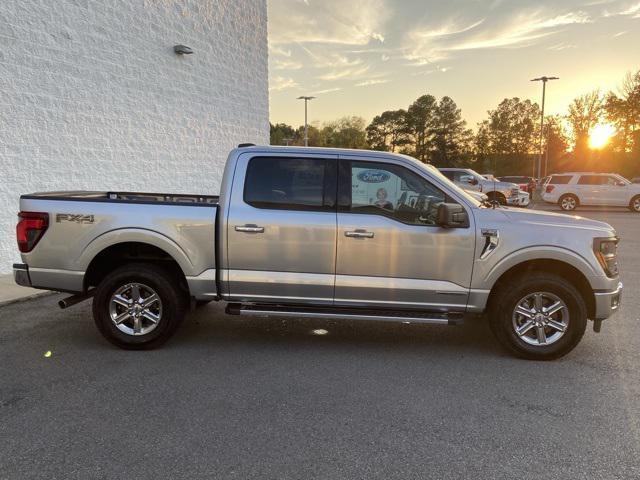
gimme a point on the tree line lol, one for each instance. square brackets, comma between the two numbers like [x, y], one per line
[505, 143]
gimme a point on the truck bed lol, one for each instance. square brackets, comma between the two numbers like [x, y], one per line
[126, 197]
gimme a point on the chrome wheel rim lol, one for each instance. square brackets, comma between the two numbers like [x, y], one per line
[568, 203]
[540, 319]
[135, 309]
[636, 204]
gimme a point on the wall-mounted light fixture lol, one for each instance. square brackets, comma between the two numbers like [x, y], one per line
[182, 50]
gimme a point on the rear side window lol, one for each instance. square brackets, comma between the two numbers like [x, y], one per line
[291, 183]
[560, 179]
[592, 180]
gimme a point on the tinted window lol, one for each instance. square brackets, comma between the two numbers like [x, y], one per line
[560, 179]
[516, 179]
[392, 191]
[592, 180]
[449, 174]
[290, 183]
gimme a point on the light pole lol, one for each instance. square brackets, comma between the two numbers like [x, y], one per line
[306, 132]
[544, 81]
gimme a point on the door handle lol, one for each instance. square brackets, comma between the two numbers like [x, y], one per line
[358, 234]
[249, 228]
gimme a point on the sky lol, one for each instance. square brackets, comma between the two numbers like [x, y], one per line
[362, 57]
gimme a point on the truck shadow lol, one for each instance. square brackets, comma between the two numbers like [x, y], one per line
[210, 325]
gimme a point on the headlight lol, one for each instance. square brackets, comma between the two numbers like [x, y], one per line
[606, 251]
[515, 192]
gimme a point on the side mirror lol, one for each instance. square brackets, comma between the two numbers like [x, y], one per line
[452, 215]
[620, 184]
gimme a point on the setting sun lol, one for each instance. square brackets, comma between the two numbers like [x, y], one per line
[600, 135]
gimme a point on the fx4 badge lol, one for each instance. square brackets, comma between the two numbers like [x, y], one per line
[73, 217]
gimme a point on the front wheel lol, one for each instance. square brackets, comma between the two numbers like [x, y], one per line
[138, 306]
[634, 204]
[538, 317]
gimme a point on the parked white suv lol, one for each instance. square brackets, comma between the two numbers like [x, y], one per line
[570, 190]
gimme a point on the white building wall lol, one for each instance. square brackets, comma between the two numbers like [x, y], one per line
[92, 96]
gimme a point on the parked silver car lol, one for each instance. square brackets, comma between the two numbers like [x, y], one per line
[329, 233]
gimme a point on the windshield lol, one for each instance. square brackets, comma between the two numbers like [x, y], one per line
[434, 171]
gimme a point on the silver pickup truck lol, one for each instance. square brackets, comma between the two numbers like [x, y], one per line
[328, 233]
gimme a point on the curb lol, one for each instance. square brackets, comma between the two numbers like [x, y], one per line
[26, 298]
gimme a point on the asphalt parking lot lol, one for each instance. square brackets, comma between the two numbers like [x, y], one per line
[236, 398]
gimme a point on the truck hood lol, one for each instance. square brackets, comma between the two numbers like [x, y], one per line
[551, 219]
[488, 184]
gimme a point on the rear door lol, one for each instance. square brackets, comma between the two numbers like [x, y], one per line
[391, 253]
[281, 229]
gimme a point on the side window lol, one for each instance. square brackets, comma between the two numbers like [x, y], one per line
[291, 183]
[560, 179]
[449, 174]
[390, 190]
[590, 180]
[611, 181]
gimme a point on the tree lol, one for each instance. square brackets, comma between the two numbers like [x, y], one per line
[280, 132]
[388, 131]
[623, 111]
[585, 112]
[346, 132]
[512, 127]
[420, 123]
[451, 139]
[556, 144]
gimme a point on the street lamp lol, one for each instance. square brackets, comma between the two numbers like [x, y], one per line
[544, 81]
[306, 132]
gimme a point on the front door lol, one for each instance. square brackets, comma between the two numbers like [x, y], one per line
[391, 253]
[281, 230]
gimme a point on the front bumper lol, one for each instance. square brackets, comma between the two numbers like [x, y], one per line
[21, 274]
[607, 303]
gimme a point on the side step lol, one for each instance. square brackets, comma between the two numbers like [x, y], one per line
[404, 316]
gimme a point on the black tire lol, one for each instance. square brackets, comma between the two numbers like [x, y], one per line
[568, 206]
[166, 286]
[634, 204]
[507, 297]
[498, 197]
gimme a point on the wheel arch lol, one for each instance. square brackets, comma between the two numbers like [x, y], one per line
[103, 257]
[547, 265]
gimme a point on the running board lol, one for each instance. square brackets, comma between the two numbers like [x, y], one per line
[405, 316]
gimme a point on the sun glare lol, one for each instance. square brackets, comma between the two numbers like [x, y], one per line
[600, 135]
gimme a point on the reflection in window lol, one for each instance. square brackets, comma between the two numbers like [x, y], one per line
[395, 192]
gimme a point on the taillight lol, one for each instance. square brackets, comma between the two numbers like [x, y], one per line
[549, 188]
[30, 229]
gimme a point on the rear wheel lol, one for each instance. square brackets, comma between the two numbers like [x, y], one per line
[540, 317]
[138, 306]
[634, 204]
[568, 202]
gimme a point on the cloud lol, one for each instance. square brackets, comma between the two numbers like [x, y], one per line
[328, 22]
[374, 81]
[428, 45]
[327, 90]
[286, 65]
[346, 73]
[278, 83]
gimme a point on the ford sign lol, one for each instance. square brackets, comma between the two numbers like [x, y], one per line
[373, 176]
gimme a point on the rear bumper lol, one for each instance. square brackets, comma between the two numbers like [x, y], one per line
[607, 303]
[21, 274]
[48, 279]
